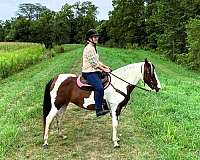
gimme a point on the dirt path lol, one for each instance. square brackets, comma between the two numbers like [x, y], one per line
[88, 137]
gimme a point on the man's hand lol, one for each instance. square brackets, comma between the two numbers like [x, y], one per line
[107, 70]
[104, 68]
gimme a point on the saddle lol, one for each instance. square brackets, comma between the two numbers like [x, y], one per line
[83, 84]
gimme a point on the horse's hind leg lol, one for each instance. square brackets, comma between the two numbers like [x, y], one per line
[59, 117]
[49, 119]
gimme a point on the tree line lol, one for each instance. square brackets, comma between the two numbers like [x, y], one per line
[170, 27]
[37, 23]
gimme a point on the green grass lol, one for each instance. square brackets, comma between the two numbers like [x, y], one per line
[171, 117]
[16, 56]
[162, 125]
[19, 94]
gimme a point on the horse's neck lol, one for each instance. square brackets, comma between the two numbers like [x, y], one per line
[130, 73]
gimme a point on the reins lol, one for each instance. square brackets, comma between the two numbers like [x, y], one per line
[117, 90]
[129, 83]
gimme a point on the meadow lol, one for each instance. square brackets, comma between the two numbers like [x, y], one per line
[164, 125]
[16, 56]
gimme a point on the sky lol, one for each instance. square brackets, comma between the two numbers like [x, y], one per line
[8, 8]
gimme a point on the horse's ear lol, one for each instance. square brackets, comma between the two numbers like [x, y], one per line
[146, 61]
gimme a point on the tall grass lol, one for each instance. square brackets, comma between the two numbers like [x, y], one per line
[13, 46]
[17, 56]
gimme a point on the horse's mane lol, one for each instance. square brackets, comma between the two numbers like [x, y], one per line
[123, 70]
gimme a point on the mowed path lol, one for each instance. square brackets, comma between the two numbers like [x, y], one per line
[88, 137]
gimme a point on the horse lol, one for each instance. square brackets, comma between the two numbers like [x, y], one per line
[63, 89]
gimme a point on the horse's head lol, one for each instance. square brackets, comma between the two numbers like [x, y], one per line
[150, 76]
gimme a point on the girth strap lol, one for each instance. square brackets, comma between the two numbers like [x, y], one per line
[117, 90]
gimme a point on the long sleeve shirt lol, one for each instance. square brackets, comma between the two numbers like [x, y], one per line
[90, 59]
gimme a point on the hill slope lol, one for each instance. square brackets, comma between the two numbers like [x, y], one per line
[154, 126]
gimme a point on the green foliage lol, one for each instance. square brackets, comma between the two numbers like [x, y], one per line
[36, 23]
[63, 25]
[193, 32]
[84, 19]
[1, 31]
[15, 57]
[126, 22]
[157, 24]
[43, 29]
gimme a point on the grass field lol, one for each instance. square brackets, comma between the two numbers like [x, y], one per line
[16, 56]
[164, 125]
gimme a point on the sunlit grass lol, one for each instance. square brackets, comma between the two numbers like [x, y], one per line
[171, 117]
[16, 56]
[164, 125]
[21, 97]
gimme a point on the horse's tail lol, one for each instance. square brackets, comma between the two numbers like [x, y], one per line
[46, 102]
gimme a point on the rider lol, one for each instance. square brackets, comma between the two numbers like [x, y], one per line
[92, 68]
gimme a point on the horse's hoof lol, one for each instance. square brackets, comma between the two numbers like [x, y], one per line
[117, 146]
[45, 146]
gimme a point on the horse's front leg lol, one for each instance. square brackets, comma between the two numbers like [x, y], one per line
[114, 126]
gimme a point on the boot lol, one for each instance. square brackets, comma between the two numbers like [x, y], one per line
[101, 112]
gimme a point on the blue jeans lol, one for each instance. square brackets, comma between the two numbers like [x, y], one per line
[94, 79]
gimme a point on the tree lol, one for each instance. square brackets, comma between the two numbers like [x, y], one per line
[193, 32]
[85, 19]
[165, 25]
[63, 25]
[9, 30]
[36, 23]
[126, 22]
[1, 31]
[21, 29]
[42, 29]
[103, 30]
[31, 11]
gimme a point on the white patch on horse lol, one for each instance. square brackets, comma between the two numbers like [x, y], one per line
[127, 73]
[88, 101]
[153, 70]
[158, 85]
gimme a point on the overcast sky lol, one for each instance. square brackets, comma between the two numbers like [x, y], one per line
[8, 8]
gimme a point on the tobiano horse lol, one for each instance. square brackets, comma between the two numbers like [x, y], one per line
[63, 89]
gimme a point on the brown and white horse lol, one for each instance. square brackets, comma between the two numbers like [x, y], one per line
[63, 89]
